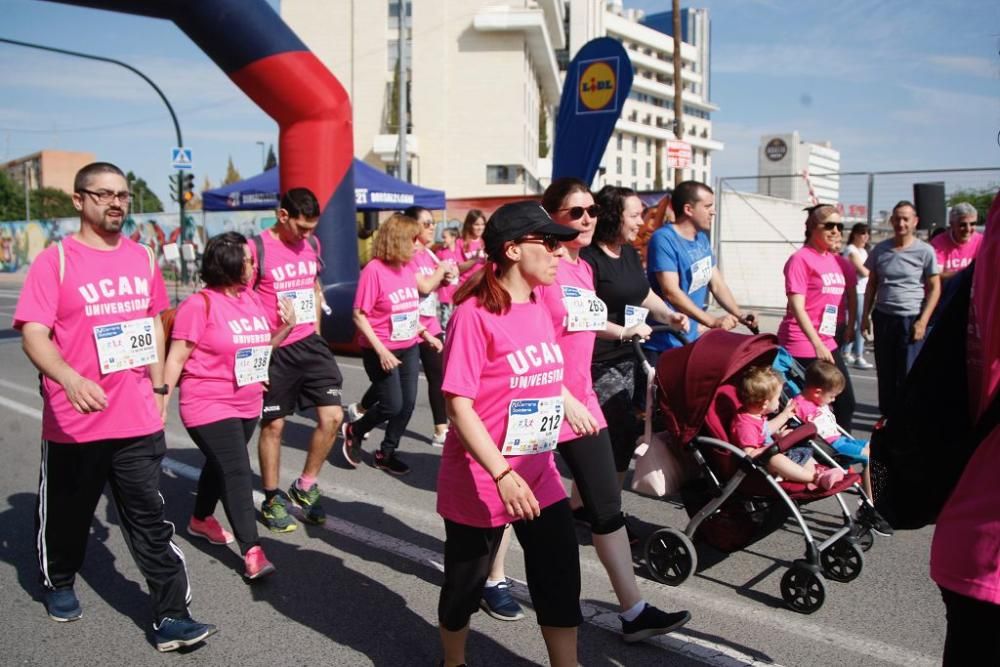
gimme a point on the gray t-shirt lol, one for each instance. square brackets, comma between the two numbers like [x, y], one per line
[901, 275]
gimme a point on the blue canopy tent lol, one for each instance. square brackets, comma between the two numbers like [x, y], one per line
[373, 191]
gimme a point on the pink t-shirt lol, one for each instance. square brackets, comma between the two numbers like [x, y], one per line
[208, 386]
[287, 269]
[493, 360]
[467, 250]
[749, 431]
[576, 345]
[808, 412]
[98, 288]
[388, 297]
[964, 552]
[954, 257]
[423, 263]
[819, 277]
[446, 293]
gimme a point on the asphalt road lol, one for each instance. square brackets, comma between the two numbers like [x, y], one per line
[363, 589]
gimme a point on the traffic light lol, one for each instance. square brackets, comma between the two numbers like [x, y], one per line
[182, 187]
[187, 187]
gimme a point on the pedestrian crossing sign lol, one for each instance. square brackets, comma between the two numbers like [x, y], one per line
[180, 158]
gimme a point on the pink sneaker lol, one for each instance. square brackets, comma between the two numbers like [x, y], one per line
[209, 529]
[256, 564]
[829, 478]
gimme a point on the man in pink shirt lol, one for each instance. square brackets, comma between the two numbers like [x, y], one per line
[303, 372]
[956, 248]
[89, 314]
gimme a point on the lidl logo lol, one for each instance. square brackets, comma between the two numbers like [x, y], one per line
[597, 85]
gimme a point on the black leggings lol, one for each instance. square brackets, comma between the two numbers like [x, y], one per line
[395, 394]
[593, 466]
[843, 408]
[551, 561]
[227, 476]
[972, 637]
[430, 359]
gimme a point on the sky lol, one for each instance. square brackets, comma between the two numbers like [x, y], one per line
[892, 84]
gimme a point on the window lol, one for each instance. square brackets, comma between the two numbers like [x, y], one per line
[635, 145]
[618, 165]
[394, 13]
[649, 170]
[500, 174]
[619, 140]
[649, 142]
[635, 168]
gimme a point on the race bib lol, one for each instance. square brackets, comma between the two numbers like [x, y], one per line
[251, 364]
[429, 305]
[125, 345]
[584, 311]
[304, 301]
[532, 426]
[826, 424]
[635, 315]
[828, 324]
[701, 274]
[404, 325]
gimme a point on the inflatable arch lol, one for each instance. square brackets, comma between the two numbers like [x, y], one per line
[261, 54]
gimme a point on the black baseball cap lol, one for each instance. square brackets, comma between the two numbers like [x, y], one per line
[513, 221]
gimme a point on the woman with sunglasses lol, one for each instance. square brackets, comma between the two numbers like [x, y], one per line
[578, 315]
[469, 245]
[431, 274]
[387, 316]
[620, 282]
[503, 383]
[815, 285]
[219, 357]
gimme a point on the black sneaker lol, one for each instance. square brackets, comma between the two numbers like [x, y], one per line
[352, 445]
[174, 633]
[390, 463]
[651, 622]
[868, 516]
[62, 605]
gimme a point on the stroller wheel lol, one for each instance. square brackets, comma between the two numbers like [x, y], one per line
[864, 537]
[842, 561]
[802, 588]
[670, 556]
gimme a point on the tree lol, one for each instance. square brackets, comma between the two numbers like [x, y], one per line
[144, 199]
[980, 198]
[543, 130]
[392, 125]
[232, 174]
[11, 199]
[48, 203]
[272, 160]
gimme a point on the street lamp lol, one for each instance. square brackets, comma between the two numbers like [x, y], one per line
[263, 160]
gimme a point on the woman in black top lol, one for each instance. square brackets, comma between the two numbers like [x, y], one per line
[620, 282]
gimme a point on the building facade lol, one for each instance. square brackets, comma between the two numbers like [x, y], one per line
[788, 167]
[47, 169]
[482, 80]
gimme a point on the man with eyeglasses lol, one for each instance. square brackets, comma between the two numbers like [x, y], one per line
[89, 314]
[956, 249]
[682, 270]
[904, 284]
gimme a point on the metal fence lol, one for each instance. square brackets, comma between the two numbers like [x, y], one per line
[760, 222]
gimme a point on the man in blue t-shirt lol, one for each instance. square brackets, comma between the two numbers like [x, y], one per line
[682, 270]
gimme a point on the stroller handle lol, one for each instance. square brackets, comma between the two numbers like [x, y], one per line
[659, 328]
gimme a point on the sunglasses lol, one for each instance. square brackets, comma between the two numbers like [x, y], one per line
[830, 226]
[551, 243]
[576, 212]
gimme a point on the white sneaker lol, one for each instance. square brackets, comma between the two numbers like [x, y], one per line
[861, 363]
[849, 358]
[353, 415]
[438, 438]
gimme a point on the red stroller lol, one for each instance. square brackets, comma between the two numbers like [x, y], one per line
[732, 500]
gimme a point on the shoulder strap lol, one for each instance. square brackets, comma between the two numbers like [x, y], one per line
[314, 244]
[62, 260]
[152, 259]
[208, 304]
[258, 243]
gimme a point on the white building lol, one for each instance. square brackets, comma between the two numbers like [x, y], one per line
[636, 152]
[485, 80]
[787, 166]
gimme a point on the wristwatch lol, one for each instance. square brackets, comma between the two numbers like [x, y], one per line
[162, 390]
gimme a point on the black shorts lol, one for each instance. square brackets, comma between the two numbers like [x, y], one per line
[303, 375]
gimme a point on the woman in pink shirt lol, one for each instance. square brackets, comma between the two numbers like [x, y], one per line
[470, 244]
[447, 252]
[503, 383]
[815, 284]
[219, 358]
[387, 316]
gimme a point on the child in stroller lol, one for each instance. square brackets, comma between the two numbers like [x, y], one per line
[759, 390]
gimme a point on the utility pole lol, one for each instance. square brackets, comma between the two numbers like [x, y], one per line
[678, 85]
[404, 172]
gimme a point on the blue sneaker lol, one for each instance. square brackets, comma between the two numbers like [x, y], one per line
[62, 605]
[499, 603]
[174, 633]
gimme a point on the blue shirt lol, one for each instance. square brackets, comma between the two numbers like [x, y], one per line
[692, 261]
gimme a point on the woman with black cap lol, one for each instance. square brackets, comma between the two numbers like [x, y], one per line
[503, 384]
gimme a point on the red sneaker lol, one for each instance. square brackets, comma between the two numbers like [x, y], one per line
[256, 564]
[209, 529]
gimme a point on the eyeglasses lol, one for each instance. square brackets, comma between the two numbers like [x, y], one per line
[830, 226]
[551, 243]
[964, 225]
[107, 196]
[576, 212]
[427, 225]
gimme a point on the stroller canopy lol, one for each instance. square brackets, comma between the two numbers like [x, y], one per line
[688, 377]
